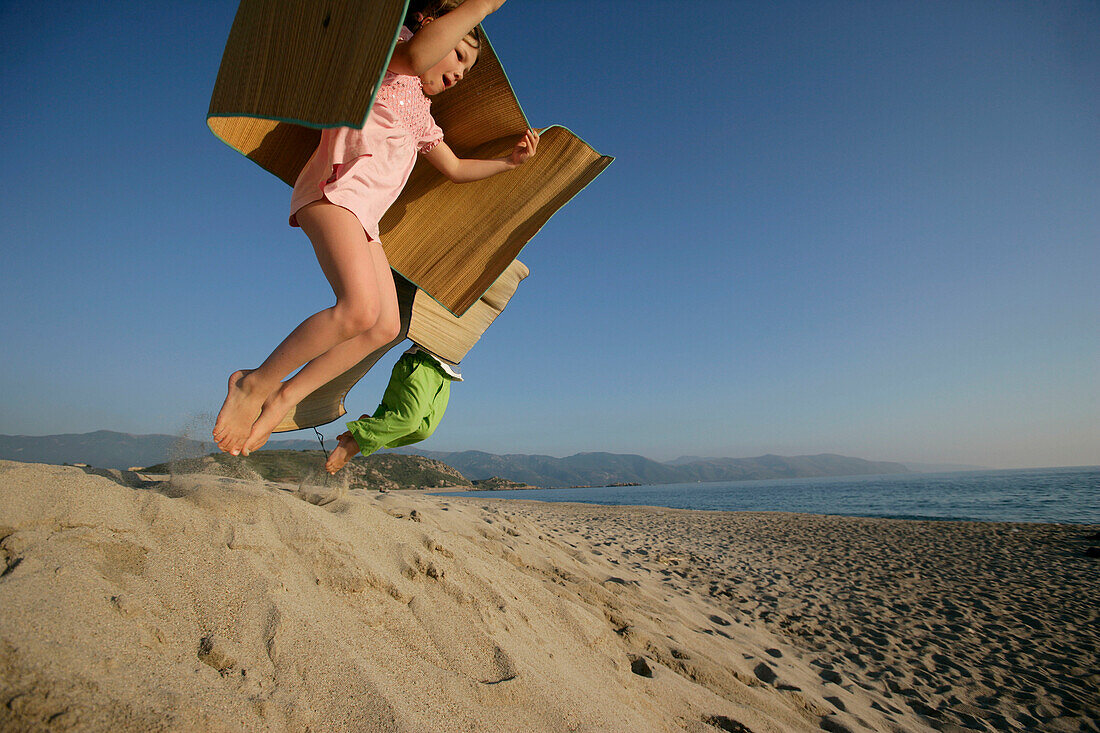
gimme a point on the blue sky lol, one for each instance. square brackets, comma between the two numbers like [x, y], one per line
[852, 227]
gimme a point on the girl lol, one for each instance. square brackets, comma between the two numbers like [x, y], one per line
[339, 197]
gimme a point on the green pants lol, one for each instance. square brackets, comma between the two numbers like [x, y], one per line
[411, 408]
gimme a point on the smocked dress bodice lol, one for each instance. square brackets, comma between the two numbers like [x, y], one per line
[365, 169]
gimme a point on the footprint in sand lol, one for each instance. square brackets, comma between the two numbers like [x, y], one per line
[640, 667]
[220, 654]
[764, 673]
[725, 723]
[461, 644]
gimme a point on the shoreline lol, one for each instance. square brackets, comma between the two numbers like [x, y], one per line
[486, 494]
[1035, 496]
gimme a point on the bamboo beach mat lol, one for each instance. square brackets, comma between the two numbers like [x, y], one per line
[292, 67]
[287, 72]
[426, 323]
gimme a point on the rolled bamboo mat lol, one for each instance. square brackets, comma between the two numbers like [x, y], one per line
[291, 67]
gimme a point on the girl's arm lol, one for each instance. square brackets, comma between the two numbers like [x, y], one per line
[464, 170]
[439, 37]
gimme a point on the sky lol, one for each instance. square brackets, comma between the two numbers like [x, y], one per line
[867, 228]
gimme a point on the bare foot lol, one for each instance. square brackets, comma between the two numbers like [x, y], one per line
[345, 449]
[239, 411]
[274, 409]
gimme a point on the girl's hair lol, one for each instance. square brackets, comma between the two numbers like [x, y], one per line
[434, 9]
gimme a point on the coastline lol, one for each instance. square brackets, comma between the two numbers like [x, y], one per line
[1063, 495]
[216, 603]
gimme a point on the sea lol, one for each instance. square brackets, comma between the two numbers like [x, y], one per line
[1053, 495]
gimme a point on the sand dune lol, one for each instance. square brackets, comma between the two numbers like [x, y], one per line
[207, 603]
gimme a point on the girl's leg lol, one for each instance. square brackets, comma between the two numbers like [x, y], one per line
[347, 259]
[336, 360]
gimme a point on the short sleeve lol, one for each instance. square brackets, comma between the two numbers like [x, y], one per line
[431, 137]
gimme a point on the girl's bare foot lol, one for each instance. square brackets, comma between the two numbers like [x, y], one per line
[345, 449]
[274, 409]
[239, 411]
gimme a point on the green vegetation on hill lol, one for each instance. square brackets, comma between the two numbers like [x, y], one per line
[496, 483]
[391, 470]
[379, 471]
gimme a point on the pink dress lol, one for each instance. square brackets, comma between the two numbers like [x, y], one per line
[364, 170]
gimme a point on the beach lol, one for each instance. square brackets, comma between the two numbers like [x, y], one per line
[135, 602]
[974, 625]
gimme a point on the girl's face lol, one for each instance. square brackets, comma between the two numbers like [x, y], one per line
[451, 69]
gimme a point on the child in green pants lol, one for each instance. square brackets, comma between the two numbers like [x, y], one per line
[412, 406]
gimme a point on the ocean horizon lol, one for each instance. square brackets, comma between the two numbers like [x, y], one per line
[1065, 495]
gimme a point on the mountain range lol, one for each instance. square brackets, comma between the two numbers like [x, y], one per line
[108, 449]
[601, 469]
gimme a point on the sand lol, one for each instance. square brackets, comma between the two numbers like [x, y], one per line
[973, 625]
[225, 604]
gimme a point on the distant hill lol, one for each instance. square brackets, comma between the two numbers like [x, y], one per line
[582, 469]
[772, 466]
[688, 459]
[943, 467]
[107, 449]
[600, 469]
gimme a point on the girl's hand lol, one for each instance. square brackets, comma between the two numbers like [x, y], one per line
[525, 148]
